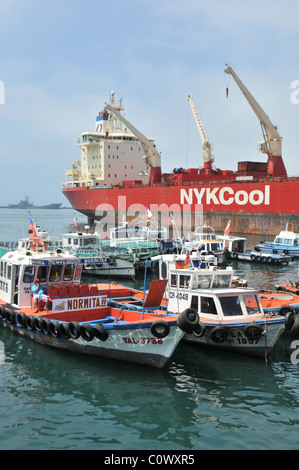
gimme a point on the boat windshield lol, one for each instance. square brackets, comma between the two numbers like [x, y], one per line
[252, 304]
[231, 305]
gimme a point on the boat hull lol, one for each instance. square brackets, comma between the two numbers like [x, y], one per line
[252, 207]
[238, 342]
[135, 345]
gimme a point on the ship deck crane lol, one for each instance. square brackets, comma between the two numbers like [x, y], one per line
[152, 157]
[208, 158]
[272, 143]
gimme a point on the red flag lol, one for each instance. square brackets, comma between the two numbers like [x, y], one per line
[183, 264]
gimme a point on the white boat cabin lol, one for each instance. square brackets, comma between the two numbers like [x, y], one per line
[19, 268]
[285, 237]
[209, 291]
[137, 233]
[81, 243]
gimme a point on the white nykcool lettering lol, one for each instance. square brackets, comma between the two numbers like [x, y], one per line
[225, 196]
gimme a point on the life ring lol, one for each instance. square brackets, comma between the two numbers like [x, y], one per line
[64, 330]
[54, 329]
[29, 322]
[187, 320]
[199, 329]
[74, 330]
[10, 317]
[253, 331]
[45, 325]
[86, 332]
[160, 329]
[21, 319]
[219, 334]
[100, 332]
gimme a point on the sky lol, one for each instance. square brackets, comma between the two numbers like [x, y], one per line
[59, 61]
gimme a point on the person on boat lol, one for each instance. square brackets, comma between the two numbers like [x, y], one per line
[39, 296]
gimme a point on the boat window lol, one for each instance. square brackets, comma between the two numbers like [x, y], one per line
[231, 306]
[28, 274]
[252, 304]
[194, 302]
[42, 273]
[1, 268]
[207, 305]
[8, 273]
[68, 272]
[201, 281]
[164, 270]
[78, 272]
[221, 280]
[278, 240]
[184, 280]
[173, 280]
[55, 273]
[215, 246]
[89, 241]
[287, 241]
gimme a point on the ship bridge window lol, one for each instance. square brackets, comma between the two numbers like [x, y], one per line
[287, 241]
[201, 281]
[231, 306]
[89, 241]
[173, 280]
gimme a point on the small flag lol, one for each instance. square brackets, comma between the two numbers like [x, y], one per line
[228, 227]
[148, 214]
[75, 223]
[183, 264]
[170, 220]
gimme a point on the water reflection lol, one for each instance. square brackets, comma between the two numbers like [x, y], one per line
[203, 399]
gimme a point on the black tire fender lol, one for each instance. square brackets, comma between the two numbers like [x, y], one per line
[45, 325]
[21, 319]
[37, 321]
[160, 329]
[29, 322]
[199, 329]
[219, 334]
[86, 332]
[253, 331]
[64, 330]
[74, 330]
[11, 317]
[187, 320]
[54, 329]
[100, 332]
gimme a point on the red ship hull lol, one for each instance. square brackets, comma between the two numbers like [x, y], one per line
[262, 207]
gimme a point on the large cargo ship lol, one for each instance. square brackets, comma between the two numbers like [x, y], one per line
[121, 174]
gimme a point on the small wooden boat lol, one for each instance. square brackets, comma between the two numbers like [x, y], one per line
[229, 318]
[81, 317]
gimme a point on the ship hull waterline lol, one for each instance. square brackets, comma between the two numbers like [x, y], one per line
[255, 208]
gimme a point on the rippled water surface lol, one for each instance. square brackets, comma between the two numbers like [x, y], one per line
[203, 399]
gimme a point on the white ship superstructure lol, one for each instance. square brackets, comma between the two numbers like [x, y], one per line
[110, 154]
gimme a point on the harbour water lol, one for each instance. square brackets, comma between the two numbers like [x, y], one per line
[202, 399]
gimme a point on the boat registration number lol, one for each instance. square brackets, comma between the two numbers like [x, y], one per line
[152, 340]
[178, 295]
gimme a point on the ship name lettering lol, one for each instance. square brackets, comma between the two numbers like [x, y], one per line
[226, 196]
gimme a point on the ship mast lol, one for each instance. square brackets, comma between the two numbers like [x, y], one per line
[271, 145]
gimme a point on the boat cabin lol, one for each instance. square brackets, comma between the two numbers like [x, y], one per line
[81, 243]
[19, 268]
[209, 291]
[290, 239]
